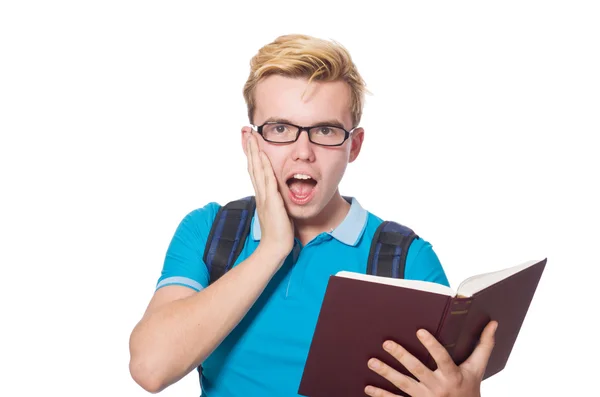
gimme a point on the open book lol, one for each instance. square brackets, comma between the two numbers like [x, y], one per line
[361, 311]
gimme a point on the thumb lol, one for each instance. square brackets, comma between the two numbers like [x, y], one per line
[478, 360]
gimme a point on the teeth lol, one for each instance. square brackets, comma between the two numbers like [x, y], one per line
[301, 176]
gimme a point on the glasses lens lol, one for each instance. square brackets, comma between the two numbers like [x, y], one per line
[279, 132]
[326, 135]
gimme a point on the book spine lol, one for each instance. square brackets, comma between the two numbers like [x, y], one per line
[453, 322]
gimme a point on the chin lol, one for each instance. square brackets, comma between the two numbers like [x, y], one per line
[296, 211]
[303, 213]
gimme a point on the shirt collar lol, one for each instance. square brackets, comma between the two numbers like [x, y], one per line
[347, 232]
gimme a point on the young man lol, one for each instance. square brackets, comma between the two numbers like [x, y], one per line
[250, 330]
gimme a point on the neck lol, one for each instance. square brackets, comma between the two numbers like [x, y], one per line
[329, 218]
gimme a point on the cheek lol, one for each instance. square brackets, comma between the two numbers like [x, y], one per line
[334, 166]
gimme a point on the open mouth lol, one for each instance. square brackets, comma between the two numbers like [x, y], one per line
[301, 187]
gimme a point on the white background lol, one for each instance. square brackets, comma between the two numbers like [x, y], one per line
[117, 118]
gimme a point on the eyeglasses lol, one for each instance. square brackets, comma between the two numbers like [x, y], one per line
[324, 135]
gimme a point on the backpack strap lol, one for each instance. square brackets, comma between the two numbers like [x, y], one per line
[389, 249]
[228, 235]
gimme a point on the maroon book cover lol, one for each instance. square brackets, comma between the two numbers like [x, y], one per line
[357, 316]
[506, 301]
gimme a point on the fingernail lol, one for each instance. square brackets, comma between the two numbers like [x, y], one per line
[421, 333]
[388, 345]
[373, 363]
[369, 390]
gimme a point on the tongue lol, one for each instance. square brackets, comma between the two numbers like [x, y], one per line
[301, 188]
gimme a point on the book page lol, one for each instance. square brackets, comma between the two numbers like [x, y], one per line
[413, 284]
[476, 283]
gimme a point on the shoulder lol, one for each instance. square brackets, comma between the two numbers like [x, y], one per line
[200, 220]
[204, 214]
[423, 263]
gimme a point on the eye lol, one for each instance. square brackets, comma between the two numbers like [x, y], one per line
[325, 130]
[277, 129]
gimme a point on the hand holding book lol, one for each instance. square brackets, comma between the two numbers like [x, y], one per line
[447, 380]
[360, 312]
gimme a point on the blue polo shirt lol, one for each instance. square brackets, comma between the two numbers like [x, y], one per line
[265, 354]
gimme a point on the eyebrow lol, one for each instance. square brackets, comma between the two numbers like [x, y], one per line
[330, 122]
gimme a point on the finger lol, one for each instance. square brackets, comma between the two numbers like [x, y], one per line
[401, 381]
[438, 352]
[410, 362]
[257, 169]
[270, 180]
[479, 358]
[377, 392]
[249, 165]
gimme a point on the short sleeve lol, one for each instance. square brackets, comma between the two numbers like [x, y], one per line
[183, 263]
[422, 263]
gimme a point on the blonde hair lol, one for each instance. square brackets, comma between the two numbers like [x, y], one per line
[298, 55]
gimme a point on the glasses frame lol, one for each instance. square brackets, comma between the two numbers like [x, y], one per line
[259, 129]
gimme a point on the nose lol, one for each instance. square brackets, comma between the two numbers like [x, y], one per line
[303, 149]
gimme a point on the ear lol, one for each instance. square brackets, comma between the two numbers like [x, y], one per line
[356, 143]
[246, 134]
